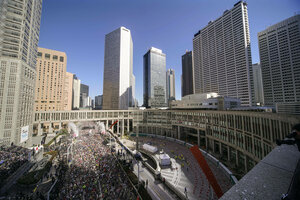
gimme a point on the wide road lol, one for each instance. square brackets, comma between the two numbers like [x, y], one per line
[155, 188]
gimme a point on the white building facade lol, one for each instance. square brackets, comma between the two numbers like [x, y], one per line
[170, 76]
[222, 56]
[76, 93]
[118, 70]
[206, 101]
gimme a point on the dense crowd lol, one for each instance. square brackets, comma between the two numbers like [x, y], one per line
[11, 158]
[94, 172]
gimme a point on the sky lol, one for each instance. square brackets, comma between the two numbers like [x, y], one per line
[78, 28]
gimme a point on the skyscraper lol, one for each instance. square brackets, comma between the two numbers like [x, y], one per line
[98, 102]
[50, 80]
[187, 80]
[279, 51]
[68, 88]
[258, 85]
[170, 76]
[84, 94]
[133, 102]
[155, 78]
[76, 93]
[222, 56]
[118, 70]
[19, 36]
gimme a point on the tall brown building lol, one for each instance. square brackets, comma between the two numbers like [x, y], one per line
[187, 78]
[51, 71]
[68, 91]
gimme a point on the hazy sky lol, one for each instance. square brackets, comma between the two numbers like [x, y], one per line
[78, 27]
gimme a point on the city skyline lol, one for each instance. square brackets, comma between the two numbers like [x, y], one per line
[171, 29]
[214, 137]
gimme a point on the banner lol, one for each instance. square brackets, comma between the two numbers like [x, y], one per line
[24, 134]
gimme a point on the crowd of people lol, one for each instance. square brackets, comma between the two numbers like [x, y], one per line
[94, 172]
[11, 158]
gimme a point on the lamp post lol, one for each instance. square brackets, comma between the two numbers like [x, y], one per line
[137, 151]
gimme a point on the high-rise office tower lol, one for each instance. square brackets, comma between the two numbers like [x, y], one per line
[279, 51]
[222, 56]
[68, 88]
[155, 78]
[19, 36]
[76, 93]
[118, 70]
[258, 85]
[50, 80]
[133, 102]
[170, 76]
[84, 94]
[87, 103]
[93, 104]
[98, 102]
[187, 79]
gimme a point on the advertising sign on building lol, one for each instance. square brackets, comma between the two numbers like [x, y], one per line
[24, 133]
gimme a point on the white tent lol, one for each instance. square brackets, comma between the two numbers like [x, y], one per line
[150, 148]
[164, 159]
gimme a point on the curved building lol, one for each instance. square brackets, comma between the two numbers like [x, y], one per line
[240, 139]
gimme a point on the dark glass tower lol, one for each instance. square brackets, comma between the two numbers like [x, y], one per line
[187, 79]
[154, 78]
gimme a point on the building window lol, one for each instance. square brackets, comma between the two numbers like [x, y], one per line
[55, 57]
[61, 59]
[40, 54]
[47, 56]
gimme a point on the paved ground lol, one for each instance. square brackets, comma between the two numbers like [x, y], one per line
[155, 188]
[185, 171]
[42, 187]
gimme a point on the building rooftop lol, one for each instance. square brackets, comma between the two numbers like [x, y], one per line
[155, 50]
[270, 178]
[200, 96]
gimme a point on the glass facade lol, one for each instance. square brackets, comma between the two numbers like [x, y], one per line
[154, 78]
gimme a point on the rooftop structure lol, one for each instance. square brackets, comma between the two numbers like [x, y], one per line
[210, 101]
